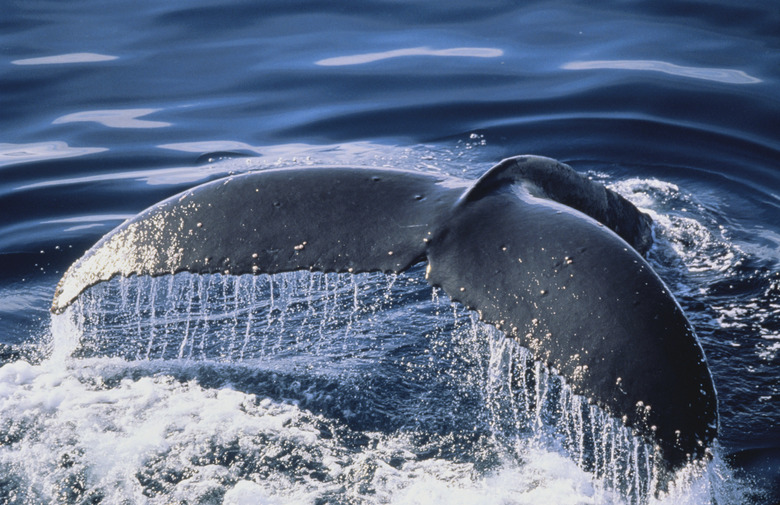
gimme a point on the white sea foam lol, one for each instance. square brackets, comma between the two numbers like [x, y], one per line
[103, 430]
[167, 403]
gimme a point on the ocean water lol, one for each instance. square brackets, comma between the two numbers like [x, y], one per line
[334, 389]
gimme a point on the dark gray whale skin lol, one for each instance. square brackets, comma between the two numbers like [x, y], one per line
[538, 250]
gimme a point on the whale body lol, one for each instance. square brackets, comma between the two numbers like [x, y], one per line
[536, 249]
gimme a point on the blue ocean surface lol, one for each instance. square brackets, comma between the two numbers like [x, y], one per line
[365, 389]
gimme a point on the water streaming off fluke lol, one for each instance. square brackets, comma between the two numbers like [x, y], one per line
[322, 341]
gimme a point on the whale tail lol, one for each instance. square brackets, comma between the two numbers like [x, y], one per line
[537, 249]
[549, 179]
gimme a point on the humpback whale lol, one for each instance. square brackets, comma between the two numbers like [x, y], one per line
[538, 250]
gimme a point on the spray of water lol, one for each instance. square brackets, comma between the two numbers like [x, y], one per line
[354, 322]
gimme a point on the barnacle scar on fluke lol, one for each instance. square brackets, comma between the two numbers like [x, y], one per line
[538, 250]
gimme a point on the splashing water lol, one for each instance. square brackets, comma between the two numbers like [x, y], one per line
[308, 388]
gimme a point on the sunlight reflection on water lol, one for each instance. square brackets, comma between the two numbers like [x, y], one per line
[357, 59]
[38, 151]
[65, 58]
[115, 118]
[726, 75]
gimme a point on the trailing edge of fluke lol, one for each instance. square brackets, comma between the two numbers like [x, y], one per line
[538, 250]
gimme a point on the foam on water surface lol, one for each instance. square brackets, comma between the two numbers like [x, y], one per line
[306, 388]
[101, 430]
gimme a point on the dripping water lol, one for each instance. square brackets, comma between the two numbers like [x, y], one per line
[331, 317]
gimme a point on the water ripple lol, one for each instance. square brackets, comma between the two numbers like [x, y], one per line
[114, 118]
[725, 75]
[38, 151]
[357, 59]
[60, 59]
